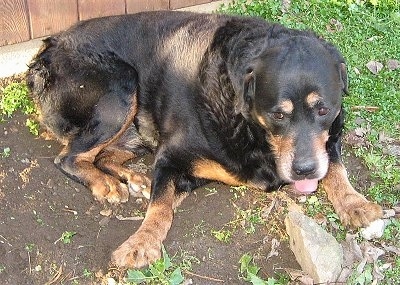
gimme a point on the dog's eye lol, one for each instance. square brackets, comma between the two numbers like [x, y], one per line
[278, 116]
[323, 111]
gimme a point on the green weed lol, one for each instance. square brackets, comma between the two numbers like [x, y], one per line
[87, 273]
[222, 235]
[6, 152]
[163, 271]
[249, 272]
[392, 232]
[66, 237]
[29, 247]
[15, 97]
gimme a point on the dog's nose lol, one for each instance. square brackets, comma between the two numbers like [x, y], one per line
[304, 167]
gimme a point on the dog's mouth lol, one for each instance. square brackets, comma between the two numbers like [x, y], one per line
[306, 186]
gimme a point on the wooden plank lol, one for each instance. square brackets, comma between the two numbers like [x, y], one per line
[88, 9]
[51, 16]
[134, 6]
[14, 23]
[175, 4]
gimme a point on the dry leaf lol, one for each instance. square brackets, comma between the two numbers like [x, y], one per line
[374, 66]
[298, 275]
[334, 26]
[274, 245]
[393, 64]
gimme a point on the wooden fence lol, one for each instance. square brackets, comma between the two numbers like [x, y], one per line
[22, 20]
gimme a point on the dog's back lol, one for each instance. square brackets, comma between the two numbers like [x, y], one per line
[99, 58]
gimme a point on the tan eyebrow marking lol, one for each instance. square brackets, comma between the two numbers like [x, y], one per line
[286, 106]
[313, 98]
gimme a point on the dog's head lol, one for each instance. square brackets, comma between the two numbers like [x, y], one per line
[294, 91]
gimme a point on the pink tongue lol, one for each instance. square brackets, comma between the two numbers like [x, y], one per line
[306, 185]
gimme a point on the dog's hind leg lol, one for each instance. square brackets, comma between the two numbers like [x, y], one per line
[106, 127]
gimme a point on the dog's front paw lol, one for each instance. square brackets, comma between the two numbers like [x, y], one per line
[110, 189]
[139, 250]
[355, 211]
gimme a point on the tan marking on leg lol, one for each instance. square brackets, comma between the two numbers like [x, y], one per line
[111, 161]
[312, 99]
[212, 170]
[352, 207]
[144, 247]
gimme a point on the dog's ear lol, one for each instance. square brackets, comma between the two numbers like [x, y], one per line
[245, 90]
[344, 78]
[338, 57]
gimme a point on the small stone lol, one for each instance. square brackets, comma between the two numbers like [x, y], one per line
[50, 183]
[106, 212]
[317, 252]
[374, 230]
[111, 281]
[389, 213]
[302, 199]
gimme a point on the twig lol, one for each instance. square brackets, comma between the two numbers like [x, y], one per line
[121, 218]
[368, 108]
[30, 264]
[56, 276]
[204, 277]
[6, 240]
[71, 211]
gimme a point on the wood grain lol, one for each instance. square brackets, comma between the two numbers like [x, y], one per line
[14, 23]
[134, 6]
[88, 9]
[51, 16]
[175, 4]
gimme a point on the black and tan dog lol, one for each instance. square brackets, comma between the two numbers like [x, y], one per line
[214, 97]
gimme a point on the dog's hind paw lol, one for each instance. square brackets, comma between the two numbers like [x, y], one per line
[356, 211]
[138, 251]
[139, 186]
[110, 189]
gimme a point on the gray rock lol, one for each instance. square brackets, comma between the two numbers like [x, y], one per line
[317, 252]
